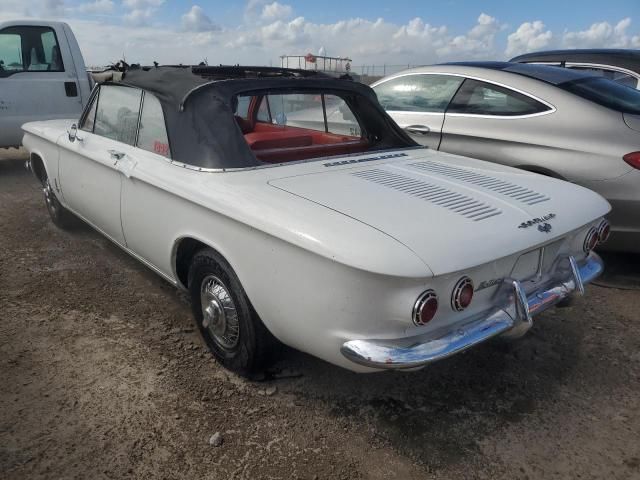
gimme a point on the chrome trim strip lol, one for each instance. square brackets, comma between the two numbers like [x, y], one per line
[283, 164]
[614, 68]
[552, 107]
[510, 319]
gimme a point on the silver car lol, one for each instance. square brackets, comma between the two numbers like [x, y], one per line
[550, 120]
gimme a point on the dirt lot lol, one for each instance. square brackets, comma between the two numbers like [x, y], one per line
[102, 376]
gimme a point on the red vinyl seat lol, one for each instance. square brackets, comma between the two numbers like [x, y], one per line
[277, 143]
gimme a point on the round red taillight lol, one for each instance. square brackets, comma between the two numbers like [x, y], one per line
[633, 159]
[462, 294]
[425, 308]
[604, 230]
[591, 240]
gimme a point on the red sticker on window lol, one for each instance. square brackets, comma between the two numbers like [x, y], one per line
[161, 148]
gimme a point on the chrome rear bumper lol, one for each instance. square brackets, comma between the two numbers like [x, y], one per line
[513, 320]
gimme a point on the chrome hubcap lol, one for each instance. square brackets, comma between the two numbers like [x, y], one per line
[219, 314]
[49, 197]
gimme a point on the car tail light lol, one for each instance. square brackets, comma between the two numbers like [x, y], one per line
[591, 240]
[462, 294]
[604, 229]
[633, 159]
[425, 308]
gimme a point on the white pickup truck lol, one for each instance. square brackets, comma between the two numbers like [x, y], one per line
[42, 76]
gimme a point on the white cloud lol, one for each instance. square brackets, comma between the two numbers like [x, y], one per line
[96, 7]
[141, 11]
[53, 7]
[193, 36]
[276, 11]
[477, 43]
[529, 37]
[142, 4]
[195, 20]
[602, 35]
[139, 16]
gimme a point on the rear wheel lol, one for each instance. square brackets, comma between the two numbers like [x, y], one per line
[60, 216]
[228, 323]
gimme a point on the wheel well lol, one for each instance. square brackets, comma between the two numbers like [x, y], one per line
[37, 167]
[185, 251]
[541, 171]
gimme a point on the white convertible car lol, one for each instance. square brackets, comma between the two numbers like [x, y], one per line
[357, 245]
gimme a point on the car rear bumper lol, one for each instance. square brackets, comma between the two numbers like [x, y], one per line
[513, 319]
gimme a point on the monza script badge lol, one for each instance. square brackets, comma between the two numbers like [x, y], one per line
[546, 227]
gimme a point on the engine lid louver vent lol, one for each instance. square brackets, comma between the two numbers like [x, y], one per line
[524, 195]
[462, 204]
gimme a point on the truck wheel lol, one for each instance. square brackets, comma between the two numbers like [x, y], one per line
[228, 323]
[60, 216]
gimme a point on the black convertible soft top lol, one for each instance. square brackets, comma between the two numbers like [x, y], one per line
[199, 105]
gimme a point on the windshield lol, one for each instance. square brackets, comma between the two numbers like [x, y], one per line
[606, 93]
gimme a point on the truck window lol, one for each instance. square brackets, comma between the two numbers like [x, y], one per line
[29, 48]
[152, 133]
[10, 52]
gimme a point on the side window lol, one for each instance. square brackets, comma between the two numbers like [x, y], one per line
[263, 112]
[481, 98]
[152, 135]
[51, 50]
[10, 53]
[29, 48]
[117, 114]
[340, 118]
[418, 93]
[89, 120]
[242, 109]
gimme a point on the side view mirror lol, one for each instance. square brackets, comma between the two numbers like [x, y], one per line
[73, 133]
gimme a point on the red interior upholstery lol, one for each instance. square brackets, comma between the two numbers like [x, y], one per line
[276, 143]
[277, 155]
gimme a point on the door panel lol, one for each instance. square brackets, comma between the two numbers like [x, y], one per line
[91, 181]
[424, 128]
[93, 167]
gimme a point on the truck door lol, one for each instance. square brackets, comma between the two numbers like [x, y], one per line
[38, 80]
[417, 102]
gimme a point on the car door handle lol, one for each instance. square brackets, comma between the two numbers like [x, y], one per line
[116, 154]
[417, 129]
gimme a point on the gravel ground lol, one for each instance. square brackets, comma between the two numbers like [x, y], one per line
[103, 376]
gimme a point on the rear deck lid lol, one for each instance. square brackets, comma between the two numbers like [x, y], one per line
[448, 211]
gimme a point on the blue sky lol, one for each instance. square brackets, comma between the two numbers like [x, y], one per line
[372, 31]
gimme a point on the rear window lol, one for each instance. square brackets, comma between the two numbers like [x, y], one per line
[606, 93]
[296, 126]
